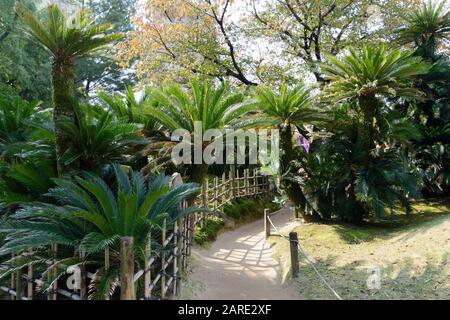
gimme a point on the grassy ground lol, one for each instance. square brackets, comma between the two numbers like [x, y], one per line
[411, 255]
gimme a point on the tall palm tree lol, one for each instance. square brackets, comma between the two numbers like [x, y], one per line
[287, 110]
[177, 108]
[426, 26]
[66, 39]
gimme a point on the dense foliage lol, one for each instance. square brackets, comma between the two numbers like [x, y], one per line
[364, 129]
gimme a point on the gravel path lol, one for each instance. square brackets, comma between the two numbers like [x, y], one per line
[240, 265]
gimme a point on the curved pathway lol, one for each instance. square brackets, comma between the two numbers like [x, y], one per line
[240, 265]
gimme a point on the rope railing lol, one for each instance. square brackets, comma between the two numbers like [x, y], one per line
[296, 247]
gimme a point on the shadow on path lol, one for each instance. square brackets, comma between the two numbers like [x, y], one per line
[240, 265]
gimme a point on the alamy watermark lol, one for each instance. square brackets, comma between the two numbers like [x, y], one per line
[228, 146]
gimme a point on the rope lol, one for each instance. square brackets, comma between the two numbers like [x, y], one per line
[308, 259]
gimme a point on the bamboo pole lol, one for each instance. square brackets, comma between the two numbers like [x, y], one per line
[216, 193]
[224, 189]
[255, 182]
[147, 270]
[232, 181]
[179, 257]
[238, 183]
[246, 182]
[12, 282]
[204, 201]
[19, 284]
[83, 276]
[267, 222]
[107, 266]
[53, 292]
[175, 258]
[163, 259]
[185, 241]
[30, 284]
[127, 291]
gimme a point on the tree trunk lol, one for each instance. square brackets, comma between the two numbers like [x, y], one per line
[198, 174]
[63, 94]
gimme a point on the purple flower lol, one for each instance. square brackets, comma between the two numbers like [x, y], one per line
[302, 141]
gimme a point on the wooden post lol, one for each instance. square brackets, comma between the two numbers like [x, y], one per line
[190, 235]
[185, 240]
[246, 182]
[163, 259]
[175, 258]
[127, 291]
[255, 182]
[83, 276]
[224, 190]
[267, 222]
[107, 266]
[233, 184]
[147, 271]
[238, 180]
[30, 284]
[13, 281]
[216, 193]
[53, 293]
[205, 201]
[19, 284]
[293, 239]
[179, 258]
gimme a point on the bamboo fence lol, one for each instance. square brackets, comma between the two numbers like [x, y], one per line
[163, 267]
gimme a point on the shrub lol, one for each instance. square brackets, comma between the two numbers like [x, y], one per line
[209, 231]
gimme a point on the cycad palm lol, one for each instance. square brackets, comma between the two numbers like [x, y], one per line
[17, 121]
[131, 108]
[66, 39]
[93, 216]
[426, 27]
[98, 138]
[367, 78]
[370, 74]
[288, 110]
[215, 108]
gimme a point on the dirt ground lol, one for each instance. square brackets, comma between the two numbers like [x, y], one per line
[407, 262]
[240, 265]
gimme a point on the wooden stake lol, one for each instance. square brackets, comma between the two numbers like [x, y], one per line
[30, 285]
[19, 284]
[267, 222]
[293, 239]
[216, 193]
[163, 259]
[147, 272]
[224, 190]
[246, 183]
[83, 276]
[107, 266]
[179, 258]
[127, 291]
[232, 181]
[175, 258]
